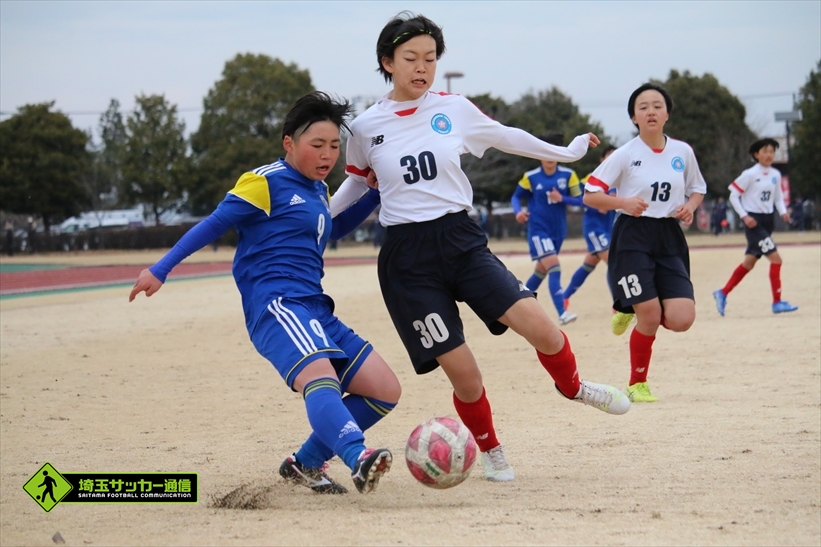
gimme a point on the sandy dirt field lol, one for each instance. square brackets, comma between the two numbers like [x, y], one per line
[730, 455]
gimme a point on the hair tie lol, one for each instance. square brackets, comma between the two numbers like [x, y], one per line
[410, 32]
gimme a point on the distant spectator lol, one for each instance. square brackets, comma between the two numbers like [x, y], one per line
[378, 232]
[718, 220]
[797, 214]
[809, 213]
[9, 226]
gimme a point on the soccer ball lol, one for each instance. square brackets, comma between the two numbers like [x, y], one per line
[440, 452]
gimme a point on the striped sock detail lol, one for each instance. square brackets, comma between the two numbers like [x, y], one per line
[321, 383]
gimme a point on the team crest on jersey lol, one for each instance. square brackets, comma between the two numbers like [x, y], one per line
[774, 181]
[441, 124]
[678, 164]
[562, 183]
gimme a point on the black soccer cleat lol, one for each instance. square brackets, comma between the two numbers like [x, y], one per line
[371, 465]
[315, 479]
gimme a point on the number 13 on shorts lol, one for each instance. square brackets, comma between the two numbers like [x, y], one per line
[630, 285]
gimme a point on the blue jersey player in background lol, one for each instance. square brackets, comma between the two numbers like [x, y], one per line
[597, 228]
[282, 215]
[548, 189]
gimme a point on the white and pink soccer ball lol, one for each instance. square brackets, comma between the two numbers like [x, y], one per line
[440, 453]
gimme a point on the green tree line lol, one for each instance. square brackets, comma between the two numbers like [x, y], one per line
[52, 170]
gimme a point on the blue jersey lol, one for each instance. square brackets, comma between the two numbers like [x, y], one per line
[593, 219]
[283, 220]
[546, 216]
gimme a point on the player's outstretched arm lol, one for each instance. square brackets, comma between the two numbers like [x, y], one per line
[519, 142]
[147, 283]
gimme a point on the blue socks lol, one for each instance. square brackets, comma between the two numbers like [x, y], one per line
[578, 279]
[534, 281]
[365, 411]
[331, 420]
[554, 283]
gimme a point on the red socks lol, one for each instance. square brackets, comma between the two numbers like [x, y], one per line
[479, 420]
[775, 281]
[735, 279]
[641, 349]
[562, 368]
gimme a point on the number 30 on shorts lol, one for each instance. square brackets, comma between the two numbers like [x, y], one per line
[433, 329]
[630, 285]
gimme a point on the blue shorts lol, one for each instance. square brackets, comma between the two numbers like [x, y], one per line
[542, 245]
[597, 235]
[297, 331]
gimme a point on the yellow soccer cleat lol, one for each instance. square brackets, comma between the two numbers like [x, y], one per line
[640, 393]
[620, 322]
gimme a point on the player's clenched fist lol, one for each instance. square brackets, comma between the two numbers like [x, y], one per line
[146, 282]
[634, 206]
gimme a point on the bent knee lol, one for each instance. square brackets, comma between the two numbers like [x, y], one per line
[680, 322]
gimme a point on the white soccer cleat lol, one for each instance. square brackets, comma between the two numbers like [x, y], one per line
[567, 317]
[606, 398]
[495, 465]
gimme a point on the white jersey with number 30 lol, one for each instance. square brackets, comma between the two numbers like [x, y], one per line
[664, 179]
[414, 149]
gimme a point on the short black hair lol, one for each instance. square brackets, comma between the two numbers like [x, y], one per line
[399, 30]
[554, 138]
[607, 149]
[631, 104]
[761, 143]
[316, 106]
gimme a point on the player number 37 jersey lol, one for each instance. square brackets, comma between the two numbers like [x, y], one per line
[664, 179]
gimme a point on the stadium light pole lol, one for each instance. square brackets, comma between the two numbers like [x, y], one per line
[450, 75]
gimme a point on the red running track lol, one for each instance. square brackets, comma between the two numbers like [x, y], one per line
[99, 276]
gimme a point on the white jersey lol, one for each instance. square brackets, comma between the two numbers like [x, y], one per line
[757, 190]
[414, 148]
[664, 179]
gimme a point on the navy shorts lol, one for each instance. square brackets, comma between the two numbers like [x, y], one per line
[297, 331]
[759, 239]
[649, 258]
[425, 268]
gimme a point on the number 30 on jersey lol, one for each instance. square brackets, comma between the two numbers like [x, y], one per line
[419, 167]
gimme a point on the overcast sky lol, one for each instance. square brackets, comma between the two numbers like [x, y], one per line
[83, 54]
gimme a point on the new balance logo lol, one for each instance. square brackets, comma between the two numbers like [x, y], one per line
[296, 200]
[350, 427]
[636, 163]
[377, 140]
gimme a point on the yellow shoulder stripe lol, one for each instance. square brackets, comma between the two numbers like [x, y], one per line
[573, 185]
[253, 188]
[525, 182]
